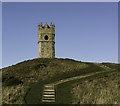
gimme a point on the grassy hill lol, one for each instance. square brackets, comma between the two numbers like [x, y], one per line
[23, 83]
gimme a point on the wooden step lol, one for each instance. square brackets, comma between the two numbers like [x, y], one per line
[49, 90]
[49, 87]
[48, 95]
[48, 98]
[48, 101]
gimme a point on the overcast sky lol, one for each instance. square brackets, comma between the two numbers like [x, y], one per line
[83, 31]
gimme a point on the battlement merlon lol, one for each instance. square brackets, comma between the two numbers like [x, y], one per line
[46, 27]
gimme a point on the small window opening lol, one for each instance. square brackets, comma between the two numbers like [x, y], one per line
[46, 37]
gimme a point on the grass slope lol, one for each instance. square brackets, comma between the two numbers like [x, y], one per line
[23, 83]
[86, 90]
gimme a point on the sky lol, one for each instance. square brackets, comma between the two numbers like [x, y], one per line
[84, 31]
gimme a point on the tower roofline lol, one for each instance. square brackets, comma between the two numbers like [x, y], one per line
[46, 25]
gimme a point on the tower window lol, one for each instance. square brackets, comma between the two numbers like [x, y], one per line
[46, 37]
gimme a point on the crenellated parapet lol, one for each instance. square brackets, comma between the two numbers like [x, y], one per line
[49, 28]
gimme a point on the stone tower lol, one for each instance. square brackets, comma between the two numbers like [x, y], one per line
[46, 41]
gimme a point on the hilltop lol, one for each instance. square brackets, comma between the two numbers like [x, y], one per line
[23, 83]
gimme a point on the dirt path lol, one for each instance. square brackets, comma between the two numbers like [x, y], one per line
[107, 69]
